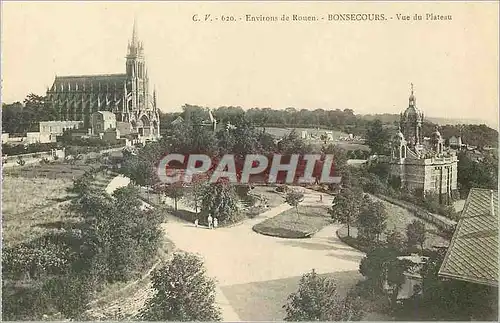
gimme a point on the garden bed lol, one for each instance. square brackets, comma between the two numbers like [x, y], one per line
[311, 219]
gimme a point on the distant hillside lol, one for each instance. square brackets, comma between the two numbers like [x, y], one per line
[387, 117]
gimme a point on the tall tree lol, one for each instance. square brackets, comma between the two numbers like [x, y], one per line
[182, 292]
[293, 198]
[346, 206]
[175, 191]
[377, 138]
[221, 202]
[415, 233]
[371, 220]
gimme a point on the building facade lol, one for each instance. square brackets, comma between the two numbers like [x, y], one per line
[126, 95]
[102, 121]
[50, 130]
[422, 166]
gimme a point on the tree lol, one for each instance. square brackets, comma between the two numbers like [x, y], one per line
[415, 233]
[317, 300]
[377, 138]
[371, 220]
[477, 173]
[12, 117]
[382, 269]
[174, 191]
[220, 201]
[293, 144]
[345, 207]
[449, 300]
[396, 240]
[293, 198]
[395, 270]
[196, 189]
[340, 158]
[183, 292]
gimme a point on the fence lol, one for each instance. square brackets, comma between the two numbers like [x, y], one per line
[30, 158]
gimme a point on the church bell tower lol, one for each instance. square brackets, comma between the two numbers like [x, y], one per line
[137, 86]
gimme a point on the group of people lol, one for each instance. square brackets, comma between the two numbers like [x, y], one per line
[212, 222]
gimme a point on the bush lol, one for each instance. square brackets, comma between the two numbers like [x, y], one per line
[431, 202]
[449, 212]
[281, 188]
[8, 149]
[372, 184]
[21, 161]
[44, 161]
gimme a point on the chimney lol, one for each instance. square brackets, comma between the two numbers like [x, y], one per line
[492, 203]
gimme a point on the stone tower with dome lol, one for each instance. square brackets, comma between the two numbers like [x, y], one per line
[422, 164]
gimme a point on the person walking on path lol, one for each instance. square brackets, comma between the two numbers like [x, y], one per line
[196, 222]
[209, 220]
[216, 222]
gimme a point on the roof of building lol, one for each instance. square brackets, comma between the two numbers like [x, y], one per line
[473, 252]
[106, 114]
[177, 120]
[99, 82]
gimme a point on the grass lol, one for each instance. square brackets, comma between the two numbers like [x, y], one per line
[311, 219]
[54, 170]
[273, 198]
[31, 207]
[397, 219]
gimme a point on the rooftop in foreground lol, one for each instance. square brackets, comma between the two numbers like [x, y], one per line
[473, 252]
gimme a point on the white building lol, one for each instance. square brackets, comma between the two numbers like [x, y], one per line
[102, 121]
[421, 166]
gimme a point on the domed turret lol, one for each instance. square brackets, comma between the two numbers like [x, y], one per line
[411, 121]
[399, 134]
[436, 134]
[398, 145]
[437, 141]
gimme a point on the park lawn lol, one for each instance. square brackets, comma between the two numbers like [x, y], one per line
[287, 224]
[273, 198]
[31, 207]
[20, 194]
[397, 219]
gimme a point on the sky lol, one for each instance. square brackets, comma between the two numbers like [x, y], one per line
[364, 66]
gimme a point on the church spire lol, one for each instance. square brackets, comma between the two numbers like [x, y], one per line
[134, 33]
[135, 46]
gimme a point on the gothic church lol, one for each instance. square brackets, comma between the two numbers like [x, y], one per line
[126, 95]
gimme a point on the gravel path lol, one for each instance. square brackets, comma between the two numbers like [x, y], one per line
[237, 256]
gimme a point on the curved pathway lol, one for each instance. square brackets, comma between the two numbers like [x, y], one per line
[256, 273]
